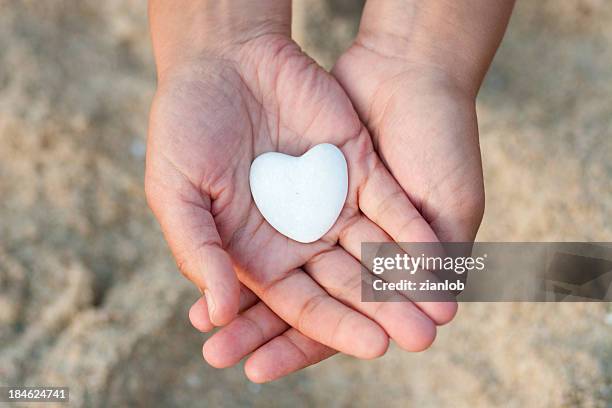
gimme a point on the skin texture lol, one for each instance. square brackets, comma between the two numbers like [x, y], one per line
[424, 128]
[209, 120]
[417, 102]
[426, 133]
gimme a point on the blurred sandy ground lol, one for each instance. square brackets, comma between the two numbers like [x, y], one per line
[90, 298]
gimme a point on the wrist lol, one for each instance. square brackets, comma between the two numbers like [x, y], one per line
[185, 30]
[457, 39]
[442, 66]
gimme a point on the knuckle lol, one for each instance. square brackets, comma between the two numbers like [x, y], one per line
[308, 310]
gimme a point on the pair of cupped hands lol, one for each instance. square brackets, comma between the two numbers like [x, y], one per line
[409, 135]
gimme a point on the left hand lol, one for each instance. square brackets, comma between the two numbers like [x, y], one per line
[424, 127]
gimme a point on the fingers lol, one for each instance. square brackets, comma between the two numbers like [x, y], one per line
[244, 334]
[340, 275]
[364, 230]
[284, 355]
[198, 316]
[198, 313]
[299, 301]
[384, 202]
[190, 230]
[277, 351]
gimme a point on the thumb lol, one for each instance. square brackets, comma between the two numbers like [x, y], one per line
[190, 230]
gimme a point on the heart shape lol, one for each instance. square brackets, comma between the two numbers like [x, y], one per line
[301, 197]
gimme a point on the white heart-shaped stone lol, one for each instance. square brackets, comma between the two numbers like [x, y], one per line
[301, 197]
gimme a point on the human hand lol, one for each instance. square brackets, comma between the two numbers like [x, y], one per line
[420, 110]
[212, 115]
[428, 137]
[425, 130]
[414, 80]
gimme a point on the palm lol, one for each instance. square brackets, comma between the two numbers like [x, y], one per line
[208, 124]
[426, 133]
[222, 120]
[219, 124]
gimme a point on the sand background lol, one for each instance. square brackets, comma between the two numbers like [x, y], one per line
[90, 298]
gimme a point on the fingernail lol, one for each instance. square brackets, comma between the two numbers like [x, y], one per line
[210, 302]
